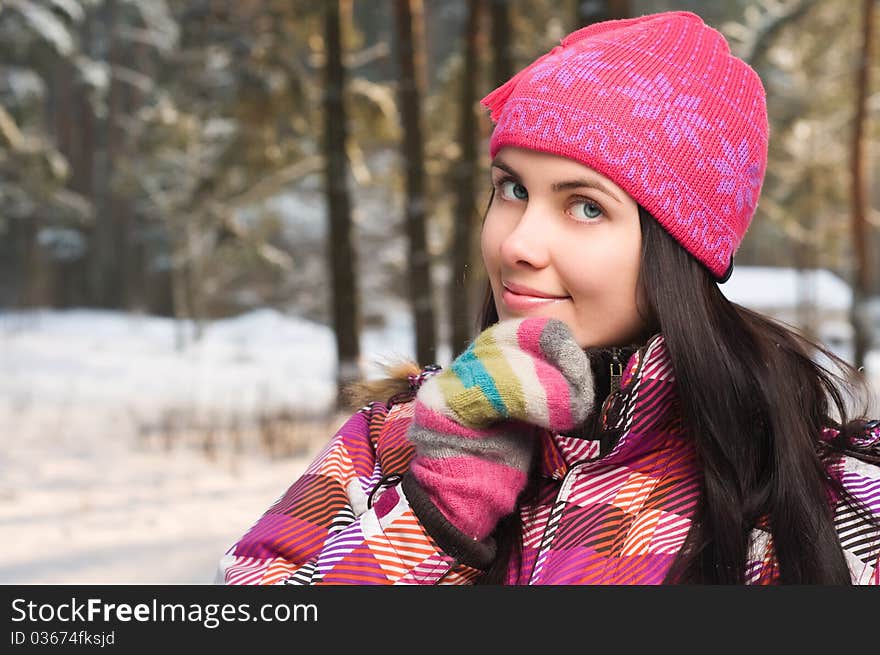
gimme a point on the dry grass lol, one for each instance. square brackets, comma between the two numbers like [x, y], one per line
[277, 433]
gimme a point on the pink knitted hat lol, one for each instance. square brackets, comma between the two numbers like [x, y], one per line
[659, 105]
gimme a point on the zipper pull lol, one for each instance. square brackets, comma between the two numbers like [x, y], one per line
[616, 369]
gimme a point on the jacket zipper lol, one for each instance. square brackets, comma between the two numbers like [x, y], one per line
[569, 479]
[616, 370]
[548, 536]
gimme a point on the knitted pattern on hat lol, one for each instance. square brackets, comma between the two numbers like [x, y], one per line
[660, 106]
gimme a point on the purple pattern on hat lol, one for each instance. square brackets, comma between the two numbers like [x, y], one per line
[658, 98]
[741, 177]
[579, 66]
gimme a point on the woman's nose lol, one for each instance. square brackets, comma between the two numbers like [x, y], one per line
[529, 242]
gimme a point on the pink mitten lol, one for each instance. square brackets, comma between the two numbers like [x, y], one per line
[475, 423]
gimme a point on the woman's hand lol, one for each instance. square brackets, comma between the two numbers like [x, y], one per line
[529, 370]
[475, 423]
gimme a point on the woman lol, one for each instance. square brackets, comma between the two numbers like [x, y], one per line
[617, 420]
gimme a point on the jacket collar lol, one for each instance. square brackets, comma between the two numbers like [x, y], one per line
[646, 406]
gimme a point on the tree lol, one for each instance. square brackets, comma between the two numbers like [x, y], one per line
[862, 273]
[595, 11]
[43, 219]
[408, 14]
[464, 175]
[340, 253]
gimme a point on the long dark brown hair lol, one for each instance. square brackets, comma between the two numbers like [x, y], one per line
[755, 401]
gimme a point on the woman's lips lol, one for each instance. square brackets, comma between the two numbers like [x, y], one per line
[520, 302]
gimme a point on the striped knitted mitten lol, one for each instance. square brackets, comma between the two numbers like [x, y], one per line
[475, 423]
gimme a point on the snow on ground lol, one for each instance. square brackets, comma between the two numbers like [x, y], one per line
[762, 287]
[129, 461]
[92, 489]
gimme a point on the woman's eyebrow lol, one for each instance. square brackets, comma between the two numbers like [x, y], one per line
[562, 186]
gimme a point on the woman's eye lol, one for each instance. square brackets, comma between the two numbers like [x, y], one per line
[519, 191]
[510, 189]
[590, 210]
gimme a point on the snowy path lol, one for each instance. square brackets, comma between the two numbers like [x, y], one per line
[74, 510]
[90, 492]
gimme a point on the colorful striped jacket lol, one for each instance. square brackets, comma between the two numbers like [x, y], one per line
[618, 518]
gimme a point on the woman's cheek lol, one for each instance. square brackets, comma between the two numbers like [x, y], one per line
[491, 238]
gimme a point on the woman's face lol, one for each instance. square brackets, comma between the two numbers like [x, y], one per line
[561, 229]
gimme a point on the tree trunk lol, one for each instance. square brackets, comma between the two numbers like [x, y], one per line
[861, 263]
[13, 265]
[596, 11]
[461, 291]
[38, 283]
[502, 59]
[77, 122]
[179, 295]
[193, 277]
[59, 274]
[83, 171]
[131, 243]
[340, 251]
[407, 12]
[806, 255]
[105, 273]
